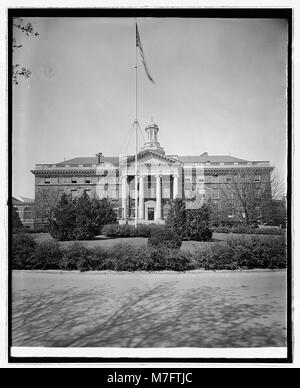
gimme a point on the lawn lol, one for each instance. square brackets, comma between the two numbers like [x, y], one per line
[104, 242]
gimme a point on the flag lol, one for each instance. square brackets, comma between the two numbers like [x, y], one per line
[139, 46]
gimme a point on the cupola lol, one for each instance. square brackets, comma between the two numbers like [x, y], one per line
[152, 139]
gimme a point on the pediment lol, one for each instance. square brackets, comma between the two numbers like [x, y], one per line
[151, 157]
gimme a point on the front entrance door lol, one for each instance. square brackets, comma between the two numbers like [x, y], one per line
[150, 213]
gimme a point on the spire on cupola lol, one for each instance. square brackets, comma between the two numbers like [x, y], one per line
[152, 138]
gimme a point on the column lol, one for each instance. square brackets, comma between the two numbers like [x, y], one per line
[141, 198]
[175, 186]
[124, 196]
[158, 197]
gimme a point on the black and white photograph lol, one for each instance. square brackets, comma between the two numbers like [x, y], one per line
[150, 184]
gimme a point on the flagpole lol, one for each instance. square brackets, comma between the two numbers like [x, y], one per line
[136, 134]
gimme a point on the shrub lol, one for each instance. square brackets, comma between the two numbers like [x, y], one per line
[178, 261]
[247, 230]
[104, 213]
[236, 253]
[110, 230]
[119, 230]
[97, 259]
[23, 251]
[75, 257]
[40, 229]
[47, 256]
[242, 253]
[197, 224]
[143, 230]
[17, 226]
[62, 220]
[257, 253]
[164, 237]
[216, 257]
[176, 219]
[124, 257]
[114, 230]
[80, 219]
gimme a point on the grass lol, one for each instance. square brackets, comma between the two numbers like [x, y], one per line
[106, 243]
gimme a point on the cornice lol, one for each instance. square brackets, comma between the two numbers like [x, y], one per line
[50, 172]
[226, 170]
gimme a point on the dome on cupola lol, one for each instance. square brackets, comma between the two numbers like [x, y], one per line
[152, 139]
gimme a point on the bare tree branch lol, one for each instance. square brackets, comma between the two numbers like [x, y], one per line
[27, 29]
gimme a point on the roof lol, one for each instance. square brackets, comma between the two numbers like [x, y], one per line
[203, 158]
[211, 158]
[90, 160]
[16, 199]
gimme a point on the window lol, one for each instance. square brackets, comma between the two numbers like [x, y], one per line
[27, 214]
[87, 180]
[74, 194]
[166, 210]
[74, 180]
[47, 181]
[105, 186]
[88, 192]
[256, 178]
[215, 178]
[215, 194]
[194, 172]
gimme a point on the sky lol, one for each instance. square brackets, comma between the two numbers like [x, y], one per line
[220, 87]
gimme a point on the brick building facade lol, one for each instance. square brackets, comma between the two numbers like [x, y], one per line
[161, 178]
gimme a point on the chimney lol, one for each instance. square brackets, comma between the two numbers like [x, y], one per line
[99, 155]
[204, 154]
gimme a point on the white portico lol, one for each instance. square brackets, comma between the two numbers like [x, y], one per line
[158, 180]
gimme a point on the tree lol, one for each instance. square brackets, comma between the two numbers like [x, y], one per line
[274, 207]
[17, 225]
[80, 219]
[45, 201]
[176, 219]
[27, 29]
[245, 196]
[62, 219]
[198, 222]
[104, 212]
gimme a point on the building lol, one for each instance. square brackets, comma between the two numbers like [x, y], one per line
[25, 210]
[279, 212]
[161, 178]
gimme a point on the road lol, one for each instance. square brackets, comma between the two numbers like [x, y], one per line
[195, 309]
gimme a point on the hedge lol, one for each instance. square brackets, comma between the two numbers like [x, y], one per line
[247, 230]
[164, 237]
[142, 230]
[23, 251]
[234, 254]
